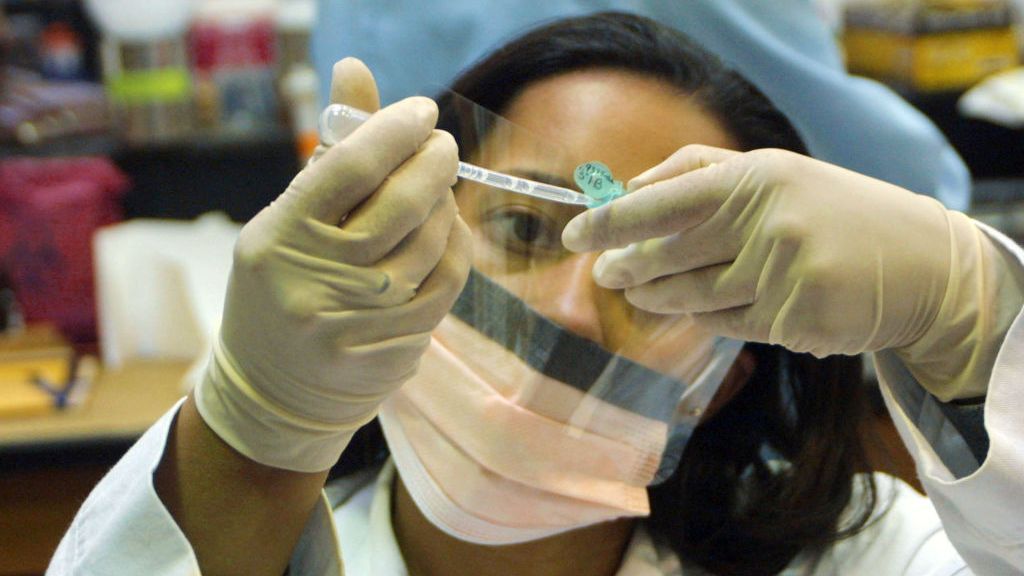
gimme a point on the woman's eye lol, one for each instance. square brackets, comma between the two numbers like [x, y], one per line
[527, 228]
[523, 231]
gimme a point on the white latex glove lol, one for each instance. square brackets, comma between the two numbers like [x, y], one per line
[771, 246]
[337, 285]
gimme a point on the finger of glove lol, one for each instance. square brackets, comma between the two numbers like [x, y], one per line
[333, 282]
[402, 203]
[381, 366]
[642, 262]
[750, 324]
[752, 321]
[435, 297]
[399, 275]
[352, 170]
[440, 289]
[686, 159]
[373, 350]
[353, 84]
[703, 290]
[356, 379]
[770, 266]
[394, 280]
[418, 254]
[665, 207]
[736, 323]
[763, 273]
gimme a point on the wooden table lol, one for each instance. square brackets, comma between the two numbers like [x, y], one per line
[48, 464]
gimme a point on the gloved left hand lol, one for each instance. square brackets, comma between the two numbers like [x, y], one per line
[771, 246]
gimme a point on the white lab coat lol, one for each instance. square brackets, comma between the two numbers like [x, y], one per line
[910, 535]
[123, 527]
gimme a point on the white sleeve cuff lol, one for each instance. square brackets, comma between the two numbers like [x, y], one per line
[124, 528]
[981, 503]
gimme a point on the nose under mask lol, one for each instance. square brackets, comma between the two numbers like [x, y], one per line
[515, 429]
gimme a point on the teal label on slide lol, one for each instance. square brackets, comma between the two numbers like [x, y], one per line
[595, 180]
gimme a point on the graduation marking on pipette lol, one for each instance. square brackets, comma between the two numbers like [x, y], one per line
[338, 120]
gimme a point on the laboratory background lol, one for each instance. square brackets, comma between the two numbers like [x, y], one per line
[136, 138]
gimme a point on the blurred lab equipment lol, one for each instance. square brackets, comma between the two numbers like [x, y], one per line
[150, 87]
[134, 21]
[40, 373]
[998, 99]
[18, 35]
[927, 46]
[232, 48]
[42, 92]
[34, 364]
[299, 84]
[160, 287]
[34, 110]
[300, 89]
[61, 52]
[11, 319]
[295, 20]
[145, 67]
[49, 207]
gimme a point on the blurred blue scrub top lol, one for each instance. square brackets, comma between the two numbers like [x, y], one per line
[782, 46]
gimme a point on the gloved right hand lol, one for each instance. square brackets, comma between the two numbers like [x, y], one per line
[337, 285]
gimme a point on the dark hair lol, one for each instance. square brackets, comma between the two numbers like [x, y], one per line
[772, 473]
[626, 42]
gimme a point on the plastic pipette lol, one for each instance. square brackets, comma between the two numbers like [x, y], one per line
[339, 120]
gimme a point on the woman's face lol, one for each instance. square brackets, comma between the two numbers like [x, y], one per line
[625, 120]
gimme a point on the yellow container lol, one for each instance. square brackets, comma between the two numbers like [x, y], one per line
[930, 46]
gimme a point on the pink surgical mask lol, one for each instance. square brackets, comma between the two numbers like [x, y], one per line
[496, 447]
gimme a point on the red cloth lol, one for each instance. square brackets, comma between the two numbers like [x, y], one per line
[49, 209]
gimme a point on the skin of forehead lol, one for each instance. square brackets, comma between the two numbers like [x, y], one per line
[626, 120]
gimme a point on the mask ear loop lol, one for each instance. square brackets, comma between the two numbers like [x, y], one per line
[699, 394]
[694, 402]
